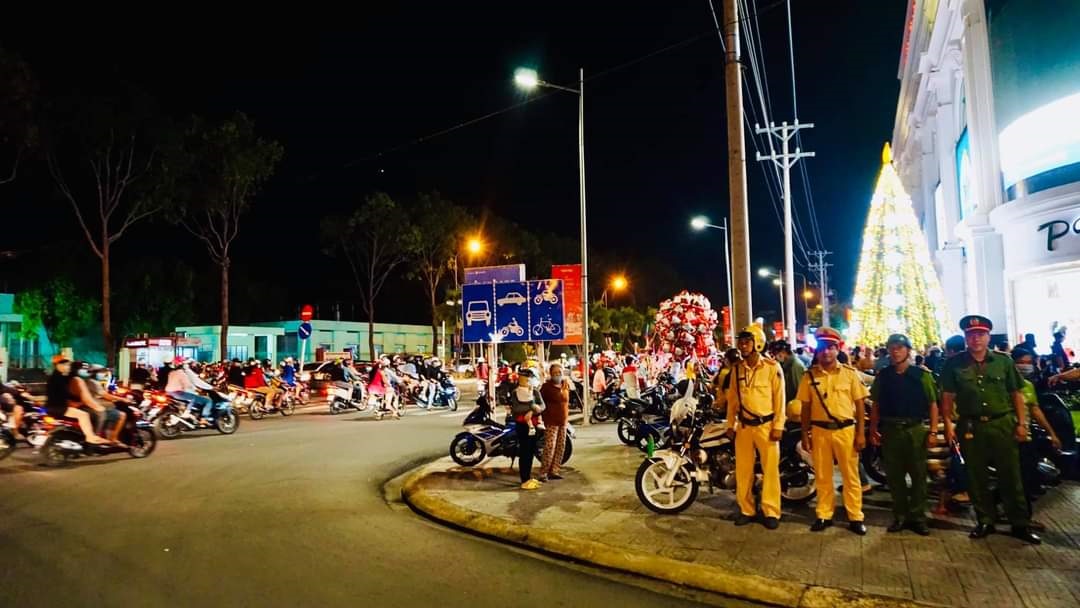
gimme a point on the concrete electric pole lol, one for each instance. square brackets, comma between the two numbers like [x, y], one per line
[786, 159]
[741, 305]
[823, 277]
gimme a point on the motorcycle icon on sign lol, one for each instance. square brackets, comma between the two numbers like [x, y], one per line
[546, 326]
[512, 328]
[547, 295]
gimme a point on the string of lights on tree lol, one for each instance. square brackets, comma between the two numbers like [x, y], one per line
[897, 289]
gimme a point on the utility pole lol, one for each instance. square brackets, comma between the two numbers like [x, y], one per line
[823, 277]
[786, 160]
[741, 305]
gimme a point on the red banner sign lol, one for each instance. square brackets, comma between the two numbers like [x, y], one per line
[573, 317]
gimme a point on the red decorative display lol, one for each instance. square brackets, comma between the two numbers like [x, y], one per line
[685, 325]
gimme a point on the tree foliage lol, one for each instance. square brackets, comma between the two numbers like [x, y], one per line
[375, 240]
[59, 308]
[154, 296]
[18, 126]
[440, 234]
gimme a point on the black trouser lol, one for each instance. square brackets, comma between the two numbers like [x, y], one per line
[526, 450]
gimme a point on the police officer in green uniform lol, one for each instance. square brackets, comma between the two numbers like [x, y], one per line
[903, 397]
[985, 387]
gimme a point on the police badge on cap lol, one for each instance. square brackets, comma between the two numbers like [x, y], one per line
[972, 323]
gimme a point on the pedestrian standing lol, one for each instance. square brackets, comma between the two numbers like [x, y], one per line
[756, 415]
[556, 396]
[833, 395]
[523, 400]
[985, 388]
[904, 396]
[792, 366]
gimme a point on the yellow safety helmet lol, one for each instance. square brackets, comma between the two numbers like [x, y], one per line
[754, 330]
[794, 410]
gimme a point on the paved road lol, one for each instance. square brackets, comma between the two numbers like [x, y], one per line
[287, 512]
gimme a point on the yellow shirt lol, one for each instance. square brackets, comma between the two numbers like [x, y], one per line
[841, 388]
[760, 390]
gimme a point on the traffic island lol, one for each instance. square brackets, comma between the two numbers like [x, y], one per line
[593, 516]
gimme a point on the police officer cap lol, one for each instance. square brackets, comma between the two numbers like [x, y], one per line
[975, 323]
[828, 334]
[900, 339]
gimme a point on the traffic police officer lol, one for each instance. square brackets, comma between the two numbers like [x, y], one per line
[833, 394]
[903, 396]
[985, 387]
[755, 400]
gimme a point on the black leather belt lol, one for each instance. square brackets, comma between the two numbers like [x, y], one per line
[987, 418]
[758, 421]
[833, 426]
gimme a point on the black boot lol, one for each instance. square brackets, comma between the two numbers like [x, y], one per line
[982, 531]
[895, 526]
[919, 527]
[820, 524]
[857, 527]
[1025, 534]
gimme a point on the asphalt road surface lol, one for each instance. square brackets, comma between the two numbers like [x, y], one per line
[286, 512]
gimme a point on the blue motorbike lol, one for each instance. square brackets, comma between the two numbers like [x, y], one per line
[486, 438]
[176, 418]
[446, 395]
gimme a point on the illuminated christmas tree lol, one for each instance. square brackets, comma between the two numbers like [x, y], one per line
[897, 289]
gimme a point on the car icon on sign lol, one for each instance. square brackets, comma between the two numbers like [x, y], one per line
[479, 312]
[512, 297]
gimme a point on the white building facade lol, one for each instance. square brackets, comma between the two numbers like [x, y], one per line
[987, 142]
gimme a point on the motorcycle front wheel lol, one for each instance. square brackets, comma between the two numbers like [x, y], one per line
[600, 413]
[798, 486]
[163, 428]
[288, 407]
[452, 402]
[53, 454]
[874, 463]
[467, 451]
[568, 448]
[142, 443]
[227, 423]
[662, 499]
[256, 411]
[627, 431]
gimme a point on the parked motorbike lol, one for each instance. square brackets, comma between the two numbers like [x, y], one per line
[486, 438]
[65, 441]
[701, 452]
[175, 419]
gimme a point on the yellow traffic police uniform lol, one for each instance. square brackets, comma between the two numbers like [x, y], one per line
[840, 388]
[755, 405]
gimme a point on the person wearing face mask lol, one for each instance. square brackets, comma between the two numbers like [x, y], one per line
[111, 422]
[1029, 456]
[556, 396]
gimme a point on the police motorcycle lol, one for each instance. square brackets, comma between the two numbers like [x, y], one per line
[176, 417]
[668, 482]
[483, 438]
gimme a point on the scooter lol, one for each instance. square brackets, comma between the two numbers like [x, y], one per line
[65, 441]
[175, 418]
[343, 399]
[485, 438]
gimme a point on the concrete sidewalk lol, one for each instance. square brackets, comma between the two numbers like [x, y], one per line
[594, 515]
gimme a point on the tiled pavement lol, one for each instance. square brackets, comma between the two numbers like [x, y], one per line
[597, 501]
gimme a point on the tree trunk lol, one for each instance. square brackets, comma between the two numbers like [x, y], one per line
[224, 310]
[434, 324]
[371, 324]
[106, 306]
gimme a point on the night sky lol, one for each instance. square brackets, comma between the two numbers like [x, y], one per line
[348, 96]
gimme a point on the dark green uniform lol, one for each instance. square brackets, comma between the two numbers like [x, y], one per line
[986, 427]
[903, 402]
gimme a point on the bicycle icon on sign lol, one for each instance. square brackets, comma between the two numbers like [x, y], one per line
[546, 326]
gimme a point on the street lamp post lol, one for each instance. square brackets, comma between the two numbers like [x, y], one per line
[616, 285]
[529, 79]
[700, 223]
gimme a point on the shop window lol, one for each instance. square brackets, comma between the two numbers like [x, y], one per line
[238, 352]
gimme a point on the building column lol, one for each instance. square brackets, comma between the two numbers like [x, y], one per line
[985, 265]
[982, 127]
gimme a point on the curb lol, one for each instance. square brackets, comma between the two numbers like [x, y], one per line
[756, 588]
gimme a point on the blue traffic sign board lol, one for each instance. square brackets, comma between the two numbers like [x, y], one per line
[516, 311]
[304, 331]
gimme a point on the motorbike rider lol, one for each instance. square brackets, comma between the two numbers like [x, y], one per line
[903, 395]
[985, 388]
[432, 374]
[833, 397]
[182, 384]
[113, 418]
[255, 382]
[12, 398]
[382, 384]
[756, 416]
[288, 372]
[67, 397]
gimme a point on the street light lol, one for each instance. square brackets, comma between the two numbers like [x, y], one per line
[778, 281]
[618, 283]
[529, 80]
[475, 246]
[700, 223]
